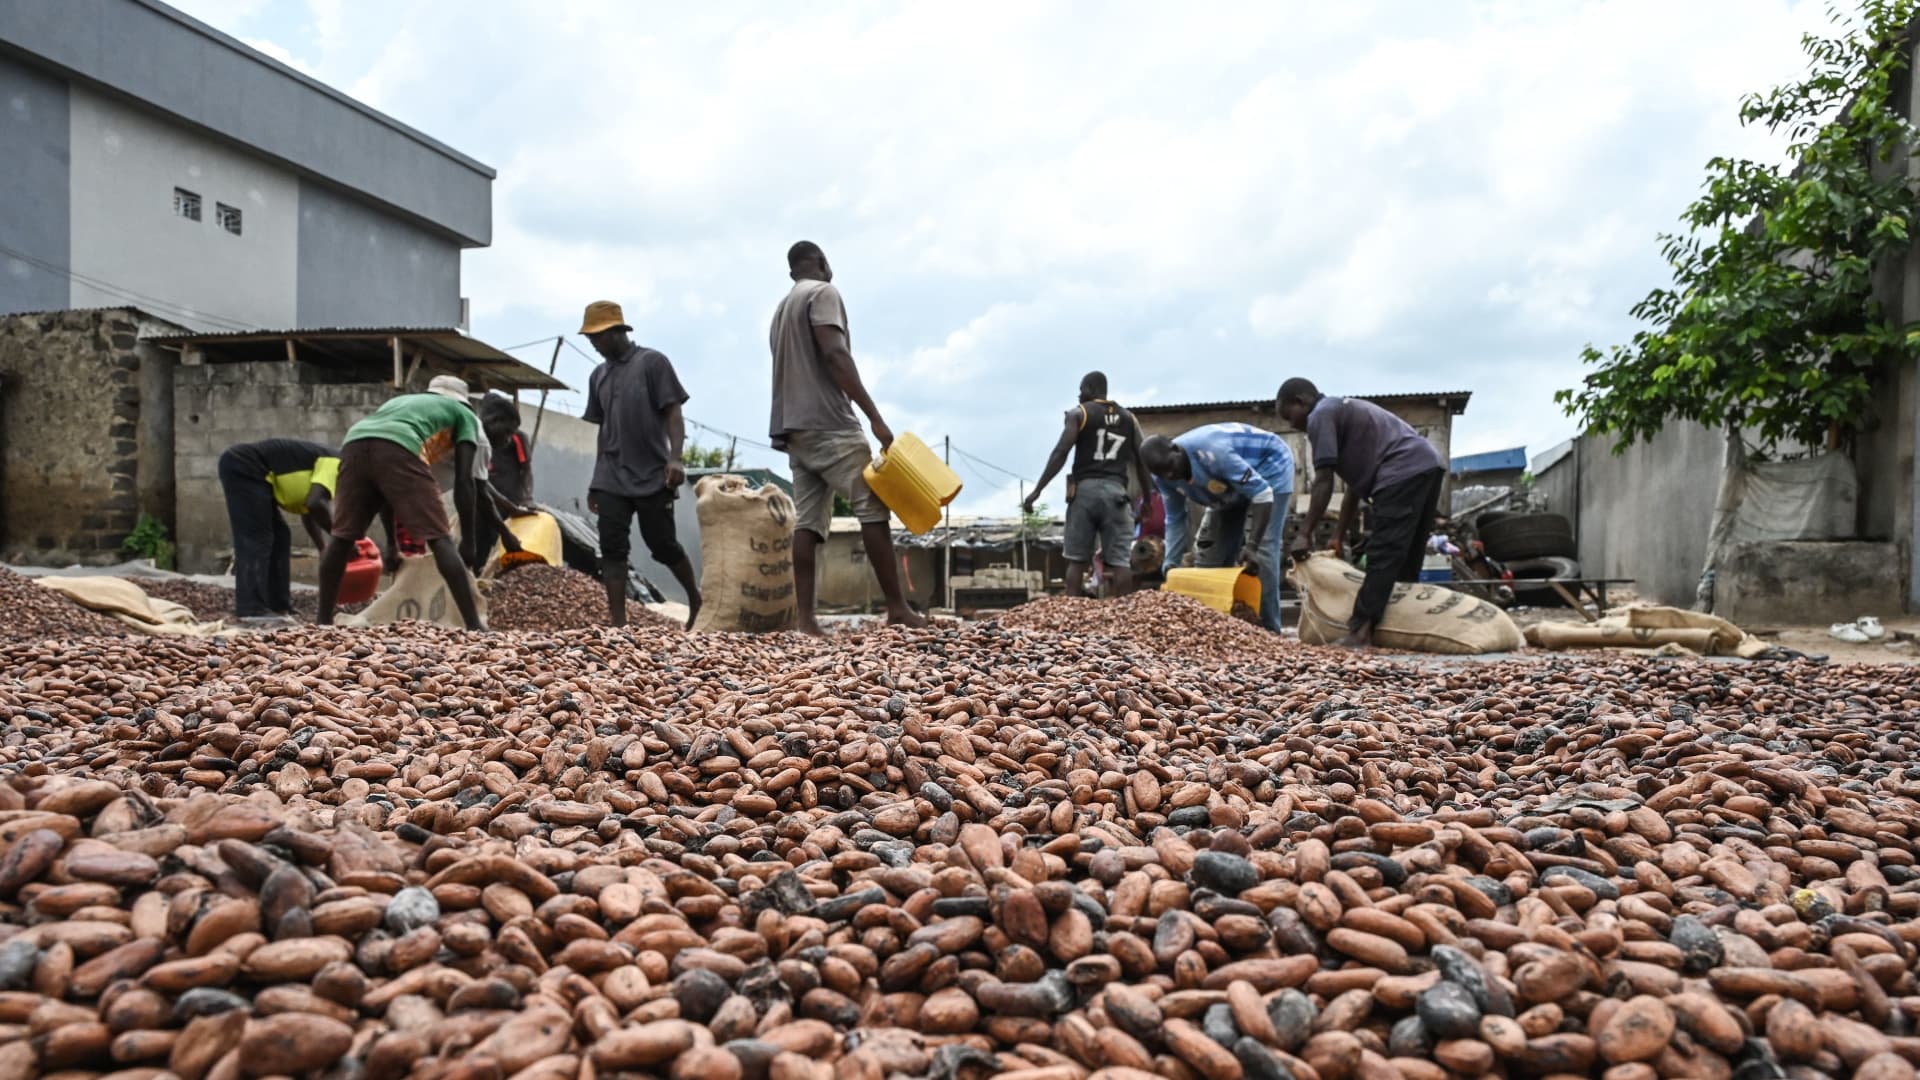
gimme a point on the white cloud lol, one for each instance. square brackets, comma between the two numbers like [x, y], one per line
[1191, 198]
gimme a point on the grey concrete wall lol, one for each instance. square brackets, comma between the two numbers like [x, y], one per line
[71, 409]
[34, 208]
[153, 471]
[563, 457]
[1644, 514]
[1789, 583]
[217, 405]
[128, 244]
[1559, 486]
[359, 266]
[147, 51]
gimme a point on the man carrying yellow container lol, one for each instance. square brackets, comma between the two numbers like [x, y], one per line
[259, 480]
[815, 386]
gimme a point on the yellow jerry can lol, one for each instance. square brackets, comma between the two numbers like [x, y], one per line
[1218, 588]
[539, 536]
[913, 482]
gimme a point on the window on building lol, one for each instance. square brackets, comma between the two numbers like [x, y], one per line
[186, 204]
[228, 217]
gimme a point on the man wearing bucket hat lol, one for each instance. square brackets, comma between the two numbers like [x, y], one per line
[1245, 477]
[386, 465]
[635, 397]
[815, 387]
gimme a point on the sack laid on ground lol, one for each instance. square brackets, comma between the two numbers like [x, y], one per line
[1421, 617]
[746, 556]
[1651, 627]
[130, 604]
[417, 592]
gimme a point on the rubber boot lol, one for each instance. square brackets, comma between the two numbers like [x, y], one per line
[614, 576]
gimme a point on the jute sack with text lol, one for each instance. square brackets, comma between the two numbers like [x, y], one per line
[746, 556]
[1421, 617]
[416, 591]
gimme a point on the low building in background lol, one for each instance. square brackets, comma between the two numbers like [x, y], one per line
[114, 413]
[1495, 468]
[1429, 414]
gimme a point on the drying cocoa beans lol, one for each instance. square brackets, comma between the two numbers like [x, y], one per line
[1135, 842]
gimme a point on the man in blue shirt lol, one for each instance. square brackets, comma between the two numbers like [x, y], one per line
[1245, 476]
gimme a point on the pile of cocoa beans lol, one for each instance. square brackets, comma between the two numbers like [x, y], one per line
[535, 596]
[954, 852]
[1163, 622]
[32, 613]
[209, 603]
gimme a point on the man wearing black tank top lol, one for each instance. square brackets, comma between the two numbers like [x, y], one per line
[1105, 442]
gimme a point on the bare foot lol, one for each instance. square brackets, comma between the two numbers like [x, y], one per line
[1356, 640]
[810, 626]
[693, 611]
[906, 617]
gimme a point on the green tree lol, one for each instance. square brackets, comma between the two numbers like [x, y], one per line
[695, 456]
[1036, 522]
[1771, 324]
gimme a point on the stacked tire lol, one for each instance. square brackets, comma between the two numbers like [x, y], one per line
[1534, 547]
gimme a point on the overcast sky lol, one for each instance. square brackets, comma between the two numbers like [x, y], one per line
[1199, 199]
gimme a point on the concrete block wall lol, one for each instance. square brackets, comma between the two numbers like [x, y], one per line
[216, 405]
[72, 411]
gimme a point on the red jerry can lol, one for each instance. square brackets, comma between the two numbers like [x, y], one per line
[363, 574]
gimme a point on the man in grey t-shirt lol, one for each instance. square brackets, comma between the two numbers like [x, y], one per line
[1382, 459]
[815, 387]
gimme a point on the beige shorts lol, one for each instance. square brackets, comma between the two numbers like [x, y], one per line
[825, 463]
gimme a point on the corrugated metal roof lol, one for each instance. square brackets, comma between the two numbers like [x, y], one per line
[1457, 398]
[1491, 461]
[372, 344]
[1551, 456]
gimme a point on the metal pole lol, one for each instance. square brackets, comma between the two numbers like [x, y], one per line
[553, 365]
[1023, 526]
[732, 445]
[947, 455]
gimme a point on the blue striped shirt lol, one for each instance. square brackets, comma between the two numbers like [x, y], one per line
[1229, 461]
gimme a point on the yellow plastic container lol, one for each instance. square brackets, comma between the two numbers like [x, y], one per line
[913, 482]
[539, 536]
[1218, 589]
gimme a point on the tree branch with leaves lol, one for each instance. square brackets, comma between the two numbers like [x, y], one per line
[1771, 324]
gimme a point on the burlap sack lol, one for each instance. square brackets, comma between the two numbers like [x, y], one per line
[1651, 627]
[129, 603]
[1421, 617]
[417, 592]
[746, 556]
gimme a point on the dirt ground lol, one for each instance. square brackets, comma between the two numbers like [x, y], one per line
[1900, 646]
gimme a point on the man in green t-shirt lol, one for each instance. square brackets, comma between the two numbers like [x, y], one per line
[386, 463]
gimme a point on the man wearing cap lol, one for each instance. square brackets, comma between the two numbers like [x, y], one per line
[635, 397]
[815, 386]
[490, 507]
[386, 464]
[259, 480]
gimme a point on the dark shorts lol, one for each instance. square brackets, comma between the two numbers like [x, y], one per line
[376, 474]
[1101, 513]
[655, 513]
